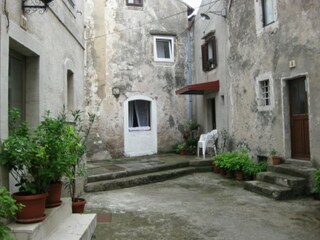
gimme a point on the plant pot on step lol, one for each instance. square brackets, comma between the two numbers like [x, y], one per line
[78, 205]
[276, 160]
[34, 207]
[54, 195]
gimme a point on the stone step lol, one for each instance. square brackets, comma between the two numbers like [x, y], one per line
[293, 169]
[270, 190]
[76, 227]
[55, 219]
[282, 179]
[298, 170]
[201, 165]
[40, 231]
[137, 179]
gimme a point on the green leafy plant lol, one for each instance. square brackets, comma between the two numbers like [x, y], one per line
[61, 143]
[192, 125]
[78, 169]
[24, 157]
[253, 168]
[8, 209]
[180, 147]
[317, 181]
[273, 152]
[233, 161]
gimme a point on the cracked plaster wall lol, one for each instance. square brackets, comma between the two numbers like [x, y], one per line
[251, 54]
[120, 54]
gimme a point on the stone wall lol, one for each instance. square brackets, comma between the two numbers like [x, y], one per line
[255, 52]
[120, 56]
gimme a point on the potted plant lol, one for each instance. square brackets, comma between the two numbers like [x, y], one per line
[60, 141]
[78, 168]
[276, 160]
[28, 164]
[181, 148]
[252, 168]
[316, 192]
[8, 209]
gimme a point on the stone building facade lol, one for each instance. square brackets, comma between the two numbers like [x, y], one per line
[41, 66]
[135, 60]
[270, 68]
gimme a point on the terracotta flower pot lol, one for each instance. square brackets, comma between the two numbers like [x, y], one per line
[276, 160]
[216, 169]
[78, 205]
[34, 207]
[54, 195]
[239, 175]
[182, 152]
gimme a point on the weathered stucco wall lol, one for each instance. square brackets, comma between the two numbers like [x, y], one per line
[50, 44]
[202, 27]
[295, 36]
[120, 55]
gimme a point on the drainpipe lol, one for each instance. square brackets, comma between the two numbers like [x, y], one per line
[189, 76]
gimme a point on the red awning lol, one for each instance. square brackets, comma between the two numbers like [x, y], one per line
[199, 88]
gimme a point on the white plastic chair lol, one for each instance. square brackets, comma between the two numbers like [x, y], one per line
[207, 140]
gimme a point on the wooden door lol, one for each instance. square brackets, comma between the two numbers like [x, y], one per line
[299, 119]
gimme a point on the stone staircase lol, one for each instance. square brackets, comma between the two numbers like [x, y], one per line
[146, 175]
[289, 180]
[59, 224]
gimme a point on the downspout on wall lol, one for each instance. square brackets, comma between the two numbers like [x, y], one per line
[189, 79]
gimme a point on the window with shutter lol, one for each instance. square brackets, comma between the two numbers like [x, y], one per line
[135, 2]
[209, 57]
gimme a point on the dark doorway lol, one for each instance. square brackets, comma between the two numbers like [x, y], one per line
[212, 113]
[17, 76]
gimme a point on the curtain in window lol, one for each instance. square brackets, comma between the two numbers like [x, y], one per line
[142, 113]
[164, 48]
[139, 114]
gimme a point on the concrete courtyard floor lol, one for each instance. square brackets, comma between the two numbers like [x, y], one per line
[201, 206]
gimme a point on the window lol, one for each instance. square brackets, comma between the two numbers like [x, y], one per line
[139, 115]
[268, 12]
[264, 92]
[163, 49]
[209, 57]
[266, 16]
[71, 3]
[70, 90]
[135, 2]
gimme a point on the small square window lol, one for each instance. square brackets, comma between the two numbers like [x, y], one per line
[268, 12]
[264, 93]
[209, 57]
[135, 2]
[163, 49]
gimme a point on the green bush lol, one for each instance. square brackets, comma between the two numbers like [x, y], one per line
[317, 180]
[253, 168]
[239, 161]
[233, 161]
[8, 209]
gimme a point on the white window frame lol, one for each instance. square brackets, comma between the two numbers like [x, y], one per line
[155, 39]
[130, 113]
[260, 27]
[260, 94]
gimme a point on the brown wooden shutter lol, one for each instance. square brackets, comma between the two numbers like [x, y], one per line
[214, 51]
[204, 52]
